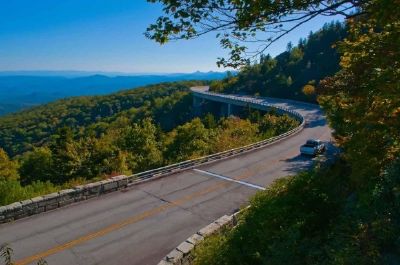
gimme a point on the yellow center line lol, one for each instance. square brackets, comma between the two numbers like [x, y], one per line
[132, 220]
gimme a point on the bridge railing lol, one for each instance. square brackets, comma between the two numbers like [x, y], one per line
[62, 198]
[260, 101]
[189, 164]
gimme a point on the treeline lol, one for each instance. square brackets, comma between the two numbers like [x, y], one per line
[158, 132]
[126, 148]
[167, 103]
[285, 76]
[347, 212]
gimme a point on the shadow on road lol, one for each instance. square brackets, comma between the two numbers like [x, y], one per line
[303, 162]
[312, 123]
[298, 163]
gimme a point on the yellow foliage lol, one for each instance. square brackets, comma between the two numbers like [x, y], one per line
[308, 90]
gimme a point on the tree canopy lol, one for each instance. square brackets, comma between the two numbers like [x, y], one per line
[285, 76]
[346, 212]
[8, 168]
[121, 133]
[237, 24]
[363, 99]
[22, 131]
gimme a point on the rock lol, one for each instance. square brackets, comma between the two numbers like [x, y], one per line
[195, 239]
[209, 230]
[175, 256]
[185, 248]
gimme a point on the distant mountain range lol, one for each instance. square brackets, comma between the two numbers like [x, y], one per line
[23, 89]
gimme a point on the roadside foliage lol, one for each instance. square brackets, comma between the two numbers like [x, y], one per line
[123, 133]
[346, 212]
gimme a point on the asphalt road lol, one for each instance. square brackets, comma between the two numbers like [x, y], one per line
[143, 223]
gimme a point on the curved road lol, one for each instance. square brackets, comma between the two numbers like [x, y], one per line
[142, 224]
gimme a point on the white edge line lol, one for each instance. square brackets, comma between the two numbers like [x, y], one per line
[229, 179]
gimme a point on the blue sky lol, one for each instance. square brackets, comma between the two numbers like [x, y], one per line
[103, 35]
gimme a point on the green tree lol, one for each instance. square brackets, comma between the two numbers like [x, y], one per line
[209, 121]
[235, 132]
[140, 140]
[189, 141]
[238, 22]
[8, 168]
[363, 100]
[272, 125]
[99, 158]
[37, 165]
[285, 75]
[168, 103]
[12, 191]
[66, 156]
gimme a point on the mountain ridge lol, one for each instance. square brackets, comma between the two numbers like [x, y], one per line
[19, 92]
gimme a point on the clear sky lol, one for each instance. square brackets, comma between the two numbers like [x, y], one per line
[103, 35]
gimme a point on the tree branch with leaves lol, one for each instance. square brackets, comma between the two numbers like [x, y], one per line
[237, 23]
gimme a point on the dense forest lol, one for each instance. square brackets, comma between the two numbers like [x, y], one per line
[346, 211]
[24, 89]
[286, 75]
[83, 139]
[22, 131]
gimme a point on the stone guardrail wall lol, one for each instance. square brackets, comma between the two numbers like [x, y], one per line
[183, 254]
[55, 200]
[62, 198]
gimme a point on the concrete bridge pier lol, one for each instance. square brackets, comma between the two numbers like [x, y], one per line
[226, 110]
[198, 106]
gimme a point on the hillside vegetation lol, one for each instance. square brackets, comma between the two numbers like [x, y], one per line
[83, 139]
[285, 76]
[22, 131]
[347, 212]
[24, 89]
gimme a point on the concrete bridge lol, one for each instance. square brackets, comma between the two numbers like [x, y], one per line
[142, 223]
[229, 103]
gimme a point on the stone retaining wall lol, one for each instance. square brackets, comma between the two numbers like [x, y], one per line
[183, 254]
[55, 200]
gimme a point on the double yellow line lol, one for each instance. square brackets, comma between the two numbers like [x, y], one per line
[129, 221]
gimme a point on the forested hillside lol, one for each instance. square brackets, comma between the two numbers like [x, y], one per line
[285, 76]
[81, 139]
[163, 102]
[346, 211]
[24, 89]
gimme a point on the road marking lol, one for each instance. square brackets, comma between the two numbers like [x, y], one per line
[229, 179]
[132, 220]
[129, 221]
